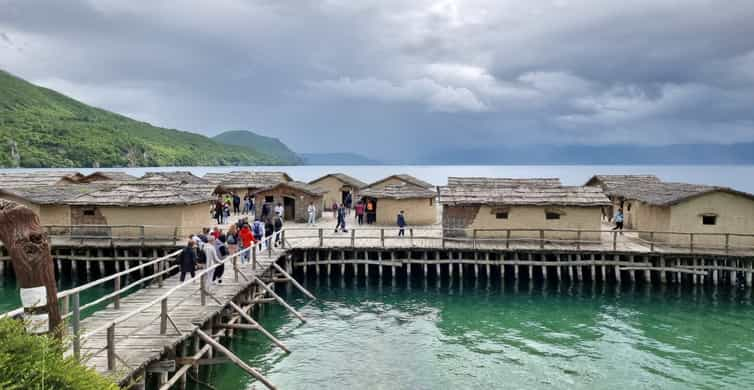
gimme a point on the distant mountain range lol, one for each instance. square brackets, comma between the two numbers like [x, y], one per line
[43, 128]
[337, 159]
[272, 147]
[692, 154]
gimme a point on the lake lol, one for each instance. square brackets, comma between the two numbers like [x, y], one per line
[740, 177]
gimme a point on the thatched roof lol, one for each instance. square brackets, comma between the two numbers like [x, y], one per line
[668, 194]
[408, 179]
[345, 179]
[295, 185]
[503, 182]
[178, 176]
[98, 176]
[247, 179]
[523, 196]
[49, 194]
[32, 179]
[398, 191]
[134, 195]
[622, 185]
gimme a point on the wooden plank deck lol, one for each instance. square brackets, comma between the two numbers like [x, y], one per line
[138, 341]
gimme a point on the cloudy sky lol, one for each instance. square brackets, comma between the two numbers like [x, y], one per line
[384, 77]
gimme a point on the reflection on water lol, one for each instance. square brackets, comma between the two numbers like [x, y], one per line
[380, 336]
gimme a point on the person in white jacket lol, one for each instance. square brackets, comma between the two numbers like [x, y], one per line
[210, 253]
[312, 211]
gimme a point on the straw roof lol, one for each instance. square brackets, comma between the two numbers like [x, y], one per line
[345, 179]
[668, 194]
[133, 194]
[406, 179]
[503, 182]
[295, 185]
[177, 176]
[48, 195]
[114, 176]
[32, 179]
[398, 191]
[622, 185]
[247, 179]
[523, 196]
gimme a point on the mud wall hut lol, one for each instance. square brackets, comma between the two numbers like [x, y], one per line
[295, 198]
[245, 182]
[336, 186]
[418, 203]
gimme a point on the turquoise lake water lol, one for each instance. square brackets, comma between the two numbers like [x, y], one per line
[504, 337]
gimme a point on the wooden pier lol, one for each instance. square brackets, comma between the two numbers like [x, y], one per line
[155, 336]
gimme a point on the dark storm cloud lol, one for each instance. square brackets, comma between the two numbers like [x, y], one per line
[326, 75]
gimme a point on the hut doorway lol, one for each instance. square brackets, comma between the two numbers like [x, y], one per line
[289, 208]
[370, 210]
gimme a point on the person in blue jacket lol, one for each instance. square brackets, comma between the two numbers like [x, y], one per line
[401, 224]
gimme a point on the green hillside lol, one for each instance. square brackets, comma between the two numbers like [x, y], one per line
[42, 128]
[258, 142]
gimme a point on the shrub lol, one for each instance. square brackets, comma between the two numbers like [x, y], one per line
[36, 362]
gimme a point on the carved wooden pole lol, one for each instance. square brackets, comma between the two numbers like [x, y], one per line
[29, 251]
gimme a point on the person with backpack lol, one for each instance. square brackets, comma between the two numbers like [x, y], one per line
[619, 220]
[188, 260]
[360, 213]
[278, 228]
[222, 253]
[341, 215]
[258, 230]
[236, 204]
[246, 237]
[269, 229]
[218, 211]
[401, 221]
[211, 258]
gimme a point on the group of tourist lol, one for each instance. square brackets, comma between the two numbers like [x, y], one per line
[211, 246]
[230, 204]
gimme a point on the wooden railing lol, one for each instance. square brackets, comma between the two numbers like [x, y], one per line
[71, 307]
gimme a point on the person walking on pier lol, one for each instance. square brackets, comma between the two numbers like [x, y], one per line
[236, 204]
[340, 213]
[246, 238]
[311, 211]
[219, 211]
[269, 229]
[401, 221]
[619, 220]
[188, 260]
[222, 253]
[211, 258]
[258, 229]
[278, 229]
[279, 211]
[360, 213]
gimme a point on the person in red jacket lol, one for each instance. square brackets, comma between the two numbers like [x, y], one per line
[247, 240]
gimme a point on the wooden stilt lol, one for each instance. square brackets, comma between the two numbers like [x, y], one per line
[487, 268]
[603, 269]
[530, 267]
[317, 264]
[460, 265]
[240, 363]
[557, 268]
[570, 268]
[663, 273]
[515, 265]
[329, 263]
[306, 265]
[543, 258]
[379, 260]
[366, 264]
[437, 266]
[579, 268]
[647, 273]
[714, 272]
[748, 272]
[616, 267]
[258, 327]
[592, 268]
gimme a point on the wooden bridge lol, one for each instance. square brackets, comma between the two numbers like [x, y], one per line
[154, 336]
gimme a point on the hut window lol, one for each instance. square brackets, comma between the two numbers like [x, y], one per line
[431, 201]
[501, 215]
[269, 199]
[552, 215]
[628, 207]
[89, 212]
[709, 219]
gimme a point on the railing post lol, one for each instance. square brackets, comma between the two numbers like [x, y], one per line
[443, 238]
[160, 265]
[270, 243]
[411, 236]
[164, 316]
[651, 241]
[353, 238]
[64, 310]
[578, 239]
[76, 325]
[541, 239]
[235, 268]
[473, 242]
[282, 239]
[727, 242]
[691, 242]
[321, 238]
[203, 288]
[382, 237]
[141, 230]
[507, 238]
[111, 348]
[254, 256]
[116, 299]
[615, 241]
[175, 236]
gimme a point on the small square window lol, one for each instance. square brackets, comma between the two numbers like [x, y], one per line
[89, 212]
[709, 219]
[269, 199]
[501, 215]
[551, 215]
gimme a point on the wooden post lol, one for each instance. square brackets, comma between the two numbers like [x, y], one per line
[76, 325]
[473, 242]
[507, 238]
[651, 241]
[691, 242]
[541, 239]
[254, 257]
[240, 363]
[321, 238]
[578, 239]
[235, 269]
[164, 316]
[111, 348]
[727, 243]
[382, 237]
[116, 299]
[353, 238]
[203, 289]
[411, 235]
[615, 240]
[28, 247]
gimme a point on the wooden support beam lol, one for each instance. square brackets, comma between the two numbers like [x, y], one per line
[293, 281]
[237, 361]
[277, 298]
[258, 327]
